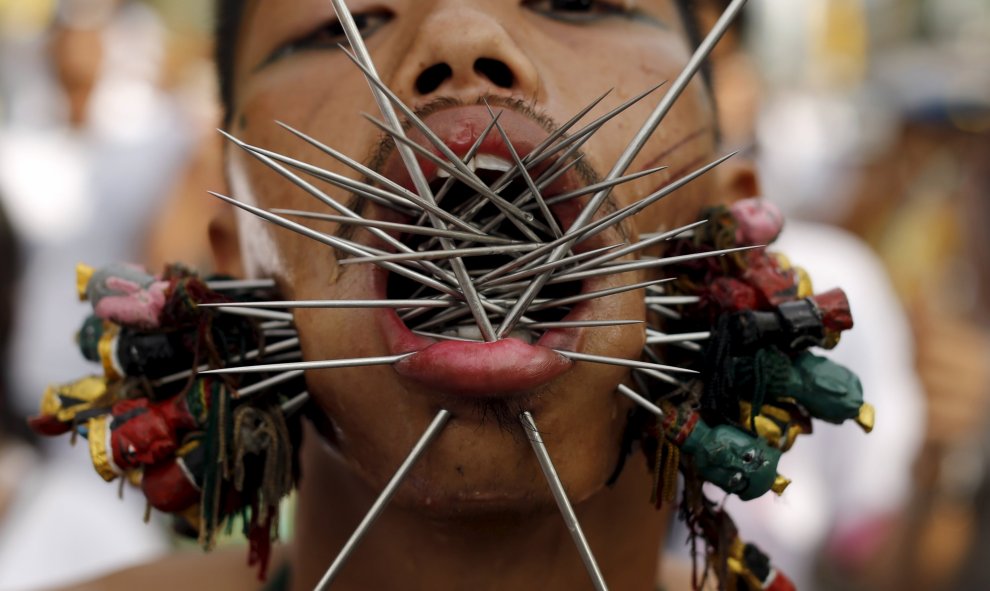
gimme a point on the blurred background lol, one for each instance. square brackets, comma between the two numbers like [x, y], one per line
[869, 121]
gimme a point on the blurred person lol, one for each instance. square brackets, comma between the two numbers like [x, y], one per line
[974, 572]
[86, 184]
[180, 228]
[77, 54]
[922, 204]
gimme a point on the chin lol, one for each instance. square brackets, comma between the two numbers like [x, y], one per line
[482, 465]
[487, 472]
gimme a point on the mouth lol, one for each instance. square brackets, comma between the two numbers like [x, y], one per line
[450, 355]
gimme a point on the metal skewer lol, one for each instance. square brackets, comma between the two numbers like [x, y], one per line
[640, 400]
[363, 59]
[636, 246]
[307, 365]
[337, 243]
[404, 228]
[560, 495]
[440, 254]
[625, 160]
[333, 304]
[622, 362]
[233, 284]
[647, 264]
[279, 347]
[376, 509]
[575, 235]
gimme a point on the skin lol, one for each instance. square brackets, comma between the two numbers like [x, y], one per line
[77, 56]
[475, 511]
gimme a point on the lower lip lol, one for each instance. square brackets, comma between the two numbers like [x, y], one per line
[475, 370]
[481, 370]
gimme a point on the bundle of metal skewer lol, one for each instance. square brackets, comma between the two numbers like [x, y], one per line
[481, 256]
[521, 244]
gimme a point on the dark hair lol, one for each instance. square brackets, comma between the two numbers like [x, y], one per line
[227, 23]
[11, 425]
[229, 14]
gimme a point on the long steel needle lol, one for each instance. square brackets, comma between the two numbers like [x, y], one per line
[637, 246]
[281, 346]
[334, 204]
[601, 293]
[640, 400]
[335, 304]
[521, 167]
[580, 324]
[404, 228]
[446, 253]
[326, 364]
[363, 59]
[334, 242]
[626, 159]
[621, 362]
[600, 225]
[647, 264]
[450, 161]
[233, 284]
[560, 495]
[359, 188]
[428, 436]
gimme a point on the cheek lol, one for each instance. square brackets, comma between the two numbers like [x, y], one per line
[269, 250]
[315, 94]
[590, 392]
[374, 419]
[302, 262]
[626, 62]
[683, 142]
[680, 208]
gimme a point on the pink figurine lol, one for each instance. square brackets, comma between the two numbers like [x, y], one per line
[127, 295]
[758, 222]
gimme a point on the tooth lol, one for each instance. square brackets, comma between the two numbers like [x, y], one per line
[442, 174]
[492, 162]
[472, 164]
[523, 335]
[469, 332]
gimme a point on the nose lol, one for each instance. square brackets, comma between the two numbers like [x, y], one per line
[462, 51]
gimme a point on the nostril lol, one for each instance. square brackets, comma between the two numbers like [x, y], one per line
[496, 71]
[431, 78]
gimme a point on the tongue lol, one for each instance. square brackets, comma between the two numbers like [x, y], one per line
[483, 369]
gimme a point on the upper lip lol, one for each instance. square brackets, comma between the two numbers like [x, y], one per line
[460, 127]
[472, 369]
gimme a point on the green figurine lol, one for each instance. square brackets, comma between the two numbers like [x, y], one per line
[726, 456]
[825, 390]
[828, 391]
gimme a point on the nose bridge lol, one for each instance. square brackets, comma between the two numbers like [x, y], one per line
[461, 48]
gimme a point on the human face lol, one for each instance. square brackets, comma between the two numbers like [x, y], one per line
[539, 64]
